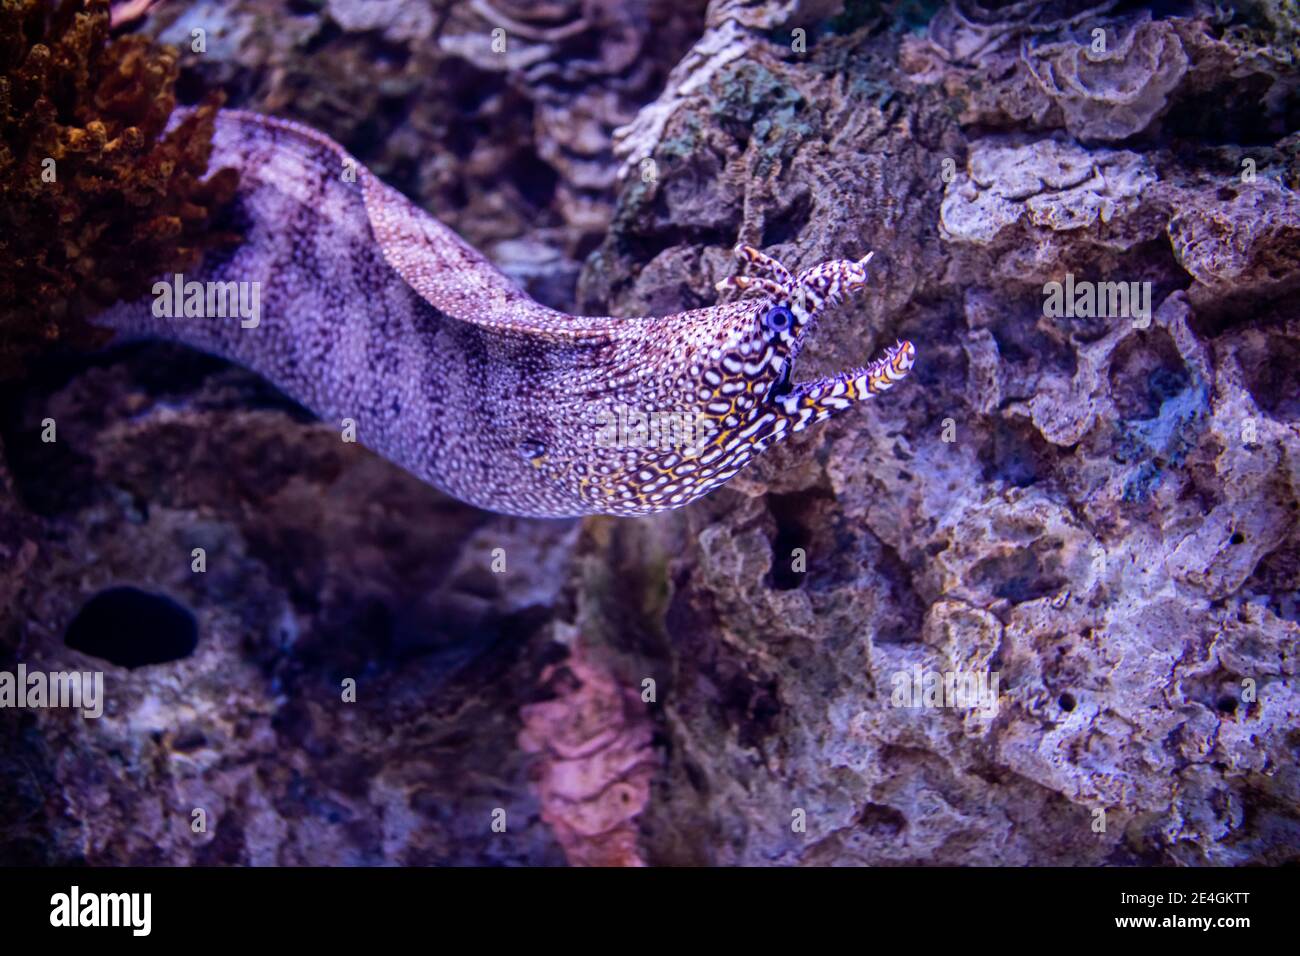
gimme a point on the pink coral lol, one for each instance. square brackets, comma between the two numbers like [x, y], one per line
[597, 762]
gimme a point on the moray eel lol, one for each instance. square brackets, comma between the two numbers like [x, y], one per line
[371, 310]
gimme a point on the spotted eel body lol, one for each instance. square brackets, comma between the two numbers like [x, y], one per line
[372, 310]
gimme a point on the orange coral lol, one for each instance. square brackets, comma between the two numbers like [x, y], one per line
[95, 199]
[597, 762]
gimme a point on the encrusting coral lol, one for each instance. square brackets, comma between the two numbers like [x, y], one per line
[96, 197]
[595, 763]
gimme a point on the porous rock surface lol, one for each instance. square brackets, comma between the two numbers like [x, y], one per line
[1100, 510]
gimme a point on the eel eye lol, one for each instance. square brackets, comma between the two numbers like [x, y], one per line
[778, 319]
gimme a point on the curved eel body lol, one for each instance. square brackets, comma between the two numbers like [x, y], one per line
[372, 310]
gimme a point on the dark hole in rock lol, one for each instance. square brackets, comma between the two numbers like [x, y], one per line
[789, 223]
[791, 542]
[698, 781]
[189, 739]
[1268, 364]
[1277, 579]
[1165, 383]
[132, 628]
[1227, 705]
[1237, 538]
[1067, 702]
[1157, 8]
[881, 821]
[1021, 576]
[1144, 373]
[901, 617]
[537, 181]
[1021, 342]
[329, 32]
[1013, 453]
[1243, 114]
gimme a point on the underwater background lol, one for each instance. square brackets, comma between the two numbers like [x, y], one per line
[1101, 509]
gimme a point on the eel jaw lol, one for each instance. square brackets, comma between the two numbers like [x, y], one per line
[810, 402]
[808, 295]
